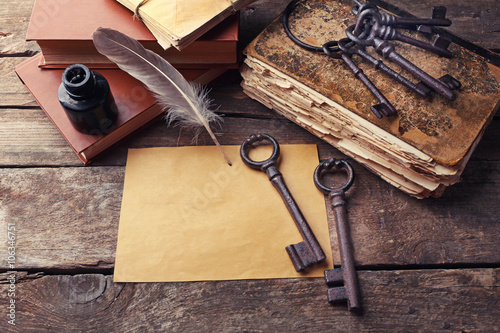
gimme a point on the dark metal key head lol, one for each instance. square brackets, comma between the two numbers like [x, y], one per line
[307, 252]
[345, 275]
[248, 144]
[332, 166]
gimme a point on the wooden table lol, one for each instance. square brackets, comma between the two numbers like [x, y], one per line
[423, 265]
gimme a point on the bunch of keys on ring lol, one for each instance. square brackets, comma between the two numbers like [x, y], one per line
[309, 252]
[374, 28]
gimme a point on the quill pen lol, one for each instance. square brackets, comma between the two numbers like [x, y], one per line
[185, 102]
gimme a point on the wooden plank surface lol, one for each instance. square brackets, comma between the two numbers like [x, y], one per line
[67, 219]
[12, 92]
[424, 265]
[14, 18]
[458, 300]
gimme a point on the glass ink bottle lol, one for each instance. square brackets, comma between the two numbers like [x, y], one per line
[87, 100]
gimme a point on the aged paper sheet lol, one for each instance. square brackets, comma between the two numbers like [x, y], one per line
[188, 216]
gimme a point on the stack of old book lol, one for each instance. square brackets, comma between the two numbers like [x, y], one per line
[63, 30]
[423, 149]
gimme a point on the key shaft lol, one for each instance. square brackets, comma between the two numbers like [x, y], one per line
[388, 52]
[309, 251]
[384, 108]
[304, 253]
[346, 274]
[348, 47]
[348, 269]
[438, 18]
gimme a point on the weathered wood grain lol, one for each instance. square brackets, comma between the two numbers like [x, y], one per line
[28, 138]
[465, 300]
[12, 92]
[14, 19]
[67, 219]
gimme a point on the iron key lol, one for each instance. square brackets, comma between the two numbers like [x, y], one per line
[438, 17]
[439, 46]
[384, 108]
[308, 252]
[347, 273]
[347, 46]
[388, 52]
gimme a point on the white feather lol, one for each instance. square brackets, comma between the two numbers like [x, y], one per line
[187, 104]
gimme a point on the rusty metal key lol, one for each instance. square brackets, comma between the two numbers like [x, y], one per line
[346, 274]
[308, 252]
[347, 46]
[384, 108]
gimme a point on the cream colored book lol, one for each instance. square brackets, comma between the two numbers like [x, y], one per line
[179, 22]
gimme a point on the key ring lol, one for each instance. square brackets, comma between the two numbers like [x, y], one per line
[332, 49]
[331, 166]
[260, 165]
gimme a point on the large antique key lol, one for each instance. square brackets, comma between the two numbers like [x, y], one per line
[345, 275]
[307, 252]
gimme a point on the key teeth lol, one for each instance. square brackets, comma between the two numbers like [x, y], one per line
[439, 12]
[334, 277]
[441, 42]
[302, 256]
[337, 295]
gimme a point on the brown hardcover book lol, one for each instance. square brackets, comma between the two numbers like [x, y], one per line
[63, 29]
[423, 149]
[136, 106]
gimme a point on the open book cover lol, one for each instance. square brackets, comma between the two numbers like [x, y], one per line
[421, 150]
[64, 33]
[136, 106]
[180, 22]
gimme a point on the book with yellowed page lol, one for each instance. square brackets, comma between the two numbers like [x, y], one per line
[66, 38]
[179, 23]
[421, 150]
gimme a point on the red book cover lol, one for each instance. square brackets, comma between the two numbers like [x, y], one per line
[63, 29]
[136, 106]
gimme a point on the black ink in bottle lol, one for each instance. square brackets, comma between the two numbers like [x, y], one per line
[87, 100]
